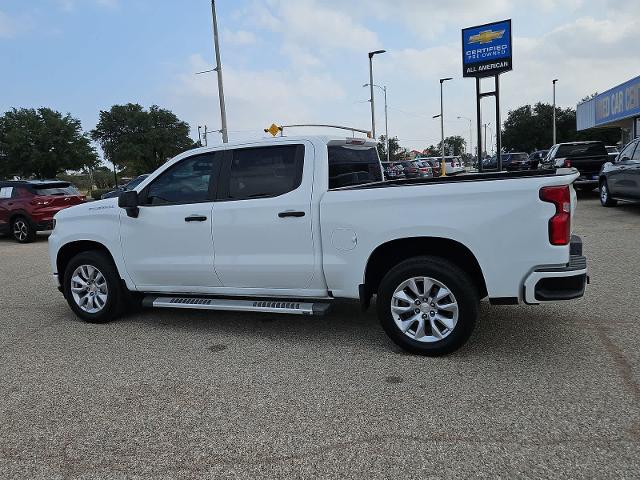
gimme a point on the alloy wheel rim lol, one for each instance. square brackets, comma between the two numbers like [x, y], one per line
[424, 309]
[89, 289]
[20, 230]
[603, 192]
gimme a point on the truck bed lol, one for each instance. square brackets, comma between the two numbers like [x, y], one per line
[463, 177]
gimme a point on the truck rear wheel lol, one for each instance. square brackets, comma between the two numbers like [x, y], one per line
[93, 287]
[428, 305]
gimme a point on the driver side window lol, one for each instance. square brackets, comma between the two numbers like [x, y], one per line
[636, 154]
[627, 152]
[186, 182]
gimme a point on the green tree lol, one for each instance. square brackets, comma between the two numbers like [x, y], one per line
[396, 152]
[530, 128]
[42, 143]
[454, 145]
[139, 141]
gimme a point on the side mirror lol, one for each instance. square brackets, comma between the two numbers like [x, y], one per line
[129, 201]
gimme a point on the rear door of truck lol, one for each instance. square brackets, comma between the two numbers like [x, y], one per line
[262, 219]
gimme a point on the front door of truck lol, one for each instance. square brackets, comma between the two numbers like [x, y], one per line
[262, 225]
[170, 244]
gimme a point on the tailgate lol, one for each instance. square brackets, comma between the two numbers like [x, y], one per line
[588, 164]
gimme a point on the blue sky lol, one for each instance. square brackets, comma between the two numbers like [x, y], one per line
[305, 60]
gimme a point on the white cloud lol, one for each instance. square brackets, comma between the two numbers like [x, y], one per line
[254, 99]
[238, 37]
[322, 63]
[312, 24]
[71, 5]
[13, 25]
[8, 27]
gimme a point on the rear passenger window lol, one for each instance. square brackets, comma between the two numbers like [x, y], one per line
[265, 172]
[352, 165]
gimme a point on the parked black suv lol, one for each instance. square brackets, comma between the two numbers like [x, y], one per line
[587, 157]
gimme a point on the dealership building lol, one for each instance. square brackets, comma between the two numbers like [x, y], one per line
[617, 107]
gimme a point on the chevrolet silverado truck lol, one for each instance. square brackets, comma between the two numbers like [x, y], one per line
[290, 224]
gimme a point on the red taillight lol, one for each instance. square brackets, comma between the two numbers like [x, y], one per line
[39, 201]
[567, 163]
[560, 223]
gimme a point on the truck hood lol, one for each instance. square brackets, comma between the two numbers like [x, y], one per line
[94, 208]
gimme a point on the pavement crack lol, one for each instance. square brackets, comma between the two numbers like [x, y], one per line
[625, 370]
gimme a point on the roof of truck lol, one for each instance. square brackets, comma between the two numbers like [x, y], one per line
[288, 138]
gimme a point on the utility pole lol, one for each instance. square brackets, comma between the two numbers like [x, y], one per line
[485, 137]
[206, 140]
[386, 122]
[554, 110]
[199, 136]
[442, 166]
[218, 69]
[386, 116]
[470, 135]
[115, 176]
[373, 109]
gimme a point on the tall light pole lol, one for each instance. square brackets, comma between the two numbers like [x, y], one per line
[373, 109]
[485, 137]
[554, 110]
[386, 117]
[218, 69]
[442, 166]
[470, 135]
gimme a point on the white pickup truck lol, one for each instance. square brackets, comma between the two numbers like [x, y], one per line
[292, 223]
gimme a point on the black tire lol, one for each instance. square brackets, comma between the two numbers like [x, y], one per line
[455, 279]
[605, 195]
[116, 296]
[23, 230]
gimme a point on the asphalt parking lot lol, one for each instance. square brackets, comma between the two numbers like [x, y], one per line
[546, 391]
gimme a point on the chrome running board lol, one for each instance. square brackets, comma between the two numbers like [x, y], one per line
[230, 305]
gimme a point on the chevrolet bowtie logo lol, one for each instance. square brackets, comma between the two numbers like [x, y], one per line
[486, 36]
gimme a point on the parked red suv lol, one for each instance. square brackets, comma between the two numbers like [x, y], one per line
[28, 206]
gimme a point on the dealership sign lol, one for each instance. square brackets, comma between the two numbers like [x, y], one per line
[620, 102]
[486, 49]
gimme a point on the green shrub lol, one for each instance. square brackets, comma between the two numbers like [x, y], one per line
[98, 192]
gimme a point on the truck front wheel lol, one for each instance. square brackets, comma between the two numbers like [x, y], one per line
[428, 305]
[93, 288]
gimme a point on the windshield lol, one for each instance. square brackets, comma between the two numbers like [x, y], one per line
[350, 165]
[135, 182]
[56, 189]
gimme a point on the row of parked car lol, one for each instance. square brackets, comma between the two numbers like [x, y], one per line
[516, 161]
[422, 167]
[28, 206]
[616, 174]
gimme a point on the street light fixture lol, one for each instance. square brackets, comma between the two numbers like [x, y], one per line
[373, 111]
[442, 166]
[386, 116]
[554, 110]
